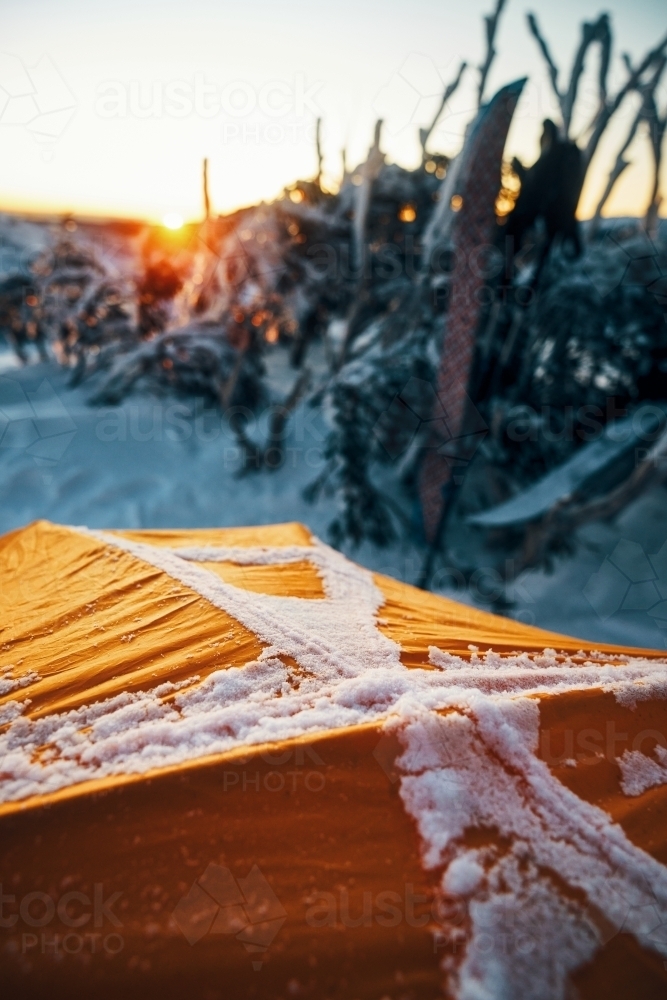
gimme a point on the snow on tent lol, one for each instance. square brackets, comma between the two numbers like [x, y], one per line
[235, 764]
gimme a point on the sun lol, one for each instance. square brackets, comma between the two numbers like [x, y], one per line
[172, 220]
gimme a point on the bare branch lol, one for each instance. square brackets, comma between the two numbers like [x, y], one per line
[648, 113]
[620, 165]
[207, 200]
[491, 22]
[226, 390]
[544, 48]
[275, 446]
[587, 39]
[318, 149]
[657, 127]
[610, 107]
[271, 454]
[599, 31]
[651, 220]
[605, 58]
[369, 172]
[343, 157]
[425, 133]
[588, 129]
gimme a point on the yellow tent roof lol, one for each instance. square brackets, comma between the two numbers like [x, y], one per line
[234, 763]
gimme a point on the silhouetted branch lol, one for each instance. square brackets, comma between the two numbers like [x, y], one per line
[491, 23]
[425, 133]
[657, 127]
[318, 149]
[207, 200]
[647, 112]
[605, 58]
[610, 107]
[369, 172]
[619, 167]
[544, 48]
[598, 31]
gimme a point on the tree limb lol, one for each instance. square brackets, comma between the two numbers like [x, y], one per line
[491, 22]
[544, 48]
[598, 31]
[318, 150]
[369, 172]
[620, 165]
[648, 113]
[657, 127]
[425, 133]
[207, 200]
[605, 59]
[611, 106]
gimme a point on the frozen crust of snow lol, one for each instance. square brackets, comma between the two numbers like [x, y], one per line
[557, 880]
[641, 772]
[251, 556]
[554, 878]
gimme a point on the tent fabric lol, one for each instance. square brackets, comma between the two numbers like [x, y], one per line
[292, 777]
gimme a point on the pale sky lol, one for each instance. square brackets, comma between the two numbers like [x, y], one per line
[108, 107]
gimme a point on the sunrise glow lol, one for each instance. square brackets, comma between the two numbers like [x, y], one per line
[132, 113]
[172, 220]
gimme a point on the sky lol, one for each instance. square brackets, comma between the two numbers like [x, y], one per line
[109, 107]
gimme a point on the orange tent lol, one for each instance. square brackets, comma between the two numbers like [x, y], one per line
[235, 764]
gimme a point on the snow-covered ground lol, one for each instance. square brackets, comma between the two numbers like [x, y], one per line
[156, 462]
